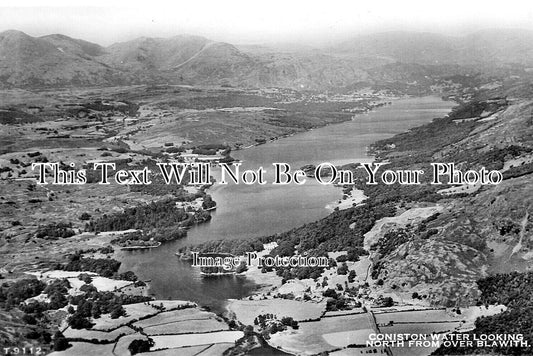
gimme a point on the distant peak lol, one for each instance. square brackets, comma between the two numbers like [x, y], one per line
[56, 35]
[13, 33]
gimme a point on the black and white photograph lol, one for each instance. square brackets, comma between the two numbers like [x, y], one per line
[231, 177]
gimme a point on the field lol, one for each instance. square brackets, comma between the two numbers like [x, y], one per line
[183, 321]
[202, 350]
[85, 349]
[137, 311]
[102, 336]
[187, 326]
[187, 331]
[101, 283]
[327, 334]
[176, 341]
[174, 316]
[183, 351]
[247, 310]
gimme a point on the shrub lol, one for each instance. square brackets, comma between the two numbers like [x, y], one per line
[85, 216]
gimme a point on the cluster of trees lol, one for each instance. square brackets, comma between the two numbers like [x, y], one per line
[332, 233]
[352, 254]
[92, 304]
[57, 291]
[100, 303]
[204, 151]
[53, 231]
[128, 276]
[269, 324]
[336, 301]
[168, 233]
[106, 267]
[289, 321]
[161, 220]
[160, 188]
[12, 294]
[85, 216]
[298, 272]
[513, 290]
[138, 236]
[208, 202]
[142, 217]
[125, 107]
[385, 302]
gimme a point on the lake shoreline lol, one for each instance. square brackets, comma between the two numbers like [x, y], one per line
[301, 205]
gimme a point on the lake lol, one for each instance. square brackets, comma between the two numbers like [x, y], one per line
[260, 210]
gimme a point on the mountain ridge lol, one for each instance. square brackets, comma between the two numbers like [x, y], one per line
[59, 60]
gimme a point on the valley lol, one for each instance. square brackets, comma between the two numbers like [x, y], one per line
[92, 268]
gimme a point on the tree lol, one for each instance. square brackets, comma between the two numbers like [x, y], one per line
[342, 258]
[342, 269]
[288, 321]
[325, 282]
[139, 345]
[117, 312]
[77, 321]
[330, 293]
[60, 342]
[128, 276]
[248, 330]
[387, 302]
[208, 202]
[85, 278]
[96, 312]
[29, 319]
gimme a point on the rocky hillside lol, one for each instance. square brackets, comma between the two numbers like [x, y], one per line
[478, 230]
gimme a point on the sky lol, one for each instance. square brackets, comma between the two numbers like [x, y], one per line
[254, 21]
